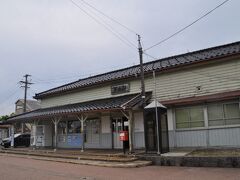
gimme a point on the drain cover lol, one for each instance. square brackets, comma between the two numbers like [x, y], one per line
[87, 178]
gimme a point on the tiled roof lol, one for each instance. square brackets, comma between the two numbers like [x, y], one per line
[117, 103]
[158, 65]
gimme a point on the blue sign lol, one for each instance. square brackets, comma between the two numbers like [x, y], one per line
[74, 140]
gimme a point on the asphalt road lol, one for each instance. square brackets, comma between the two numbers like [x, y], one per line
[14, 168]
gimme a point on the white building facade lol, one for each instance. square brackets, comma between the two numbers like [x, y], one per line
[201, 91]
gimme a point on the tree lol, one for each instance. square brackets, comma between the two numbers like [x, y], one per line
[3, 118]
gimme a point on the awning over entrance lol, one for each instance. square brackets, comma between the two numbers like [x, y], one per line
[109, 104]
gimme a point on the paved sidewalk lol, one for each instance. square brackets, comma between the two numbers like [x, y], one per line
[13, 168]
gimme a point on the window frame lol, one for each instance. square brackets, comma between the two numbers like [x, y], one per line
[189, 122]
[206, 116]
[68, 122]
[224, 119]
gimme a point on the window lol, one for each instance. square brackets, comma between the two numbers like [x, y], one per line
[223, 114]
[62, 127]
[19, 107]
[191, 117]
[74, 127]
[39, 130]
[93, 126]
[119, 89]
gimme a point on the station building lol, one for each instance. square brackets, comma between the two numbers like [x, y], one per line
[197, 97]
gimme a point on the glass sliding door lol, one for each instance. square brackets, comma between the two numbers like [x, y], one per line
[118, 125]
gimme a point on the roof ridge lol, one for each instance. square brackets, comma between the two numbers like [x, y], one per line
[135, 66]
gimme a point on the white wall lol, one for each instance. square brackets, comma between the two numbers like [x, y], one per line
[138, 122]
[106, 124]
[170, 119]
[138, 137]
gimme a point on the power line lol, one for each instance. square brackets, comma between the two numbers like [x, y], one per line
[112, 19]
[111, 27]
[8, 97]
[186, 27]
[107, 27]
[154, 58]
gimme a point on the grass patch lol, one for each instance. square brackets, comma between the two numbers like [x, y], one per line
[215, 153]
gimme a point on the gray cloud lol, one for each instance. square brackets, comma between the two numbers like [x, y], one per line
[57, 43]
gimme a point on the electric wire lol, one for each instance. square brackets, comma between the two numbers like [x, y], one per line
[125, 41]
[112, 19]
[111, 27]
[154, 58]
[8, 97]
[186, 27]
[148, 55]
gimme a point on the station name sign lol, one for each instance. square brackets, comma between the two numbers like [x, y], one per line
[120, 88]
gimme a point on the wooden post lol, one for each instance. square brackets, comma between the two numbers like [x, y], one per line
[34, 129]
[82, 119]
[22, 128]
[55, 122]
[9, 131]
[130, 129]
[12, 136]
[55, 132]
[129, 116]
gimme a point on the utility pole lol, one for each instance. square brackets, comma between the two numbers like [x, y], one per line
[142, 88]
[141, 70]
[26, 83]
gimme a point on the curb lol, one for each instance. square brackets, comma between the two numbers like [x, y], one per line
[80, 157]
[190, 161]
[85, 153]
[135, 164]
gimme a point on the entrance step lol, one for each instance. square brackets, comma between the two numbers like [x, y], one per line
[133, 164]
[105, 153]
[103, 161]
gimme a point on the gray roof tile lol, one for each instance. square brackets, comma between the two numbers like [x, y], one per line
[158, 65]
[122, 102]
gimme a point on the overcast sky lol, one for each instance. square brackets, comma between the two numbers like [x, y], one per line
[57, 43]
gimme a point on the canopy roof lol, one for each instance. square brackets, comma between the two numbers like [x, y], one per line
[116, 103]
[155, 104]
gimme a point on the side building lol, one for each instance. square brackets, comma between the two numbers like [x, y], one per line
[200, 91]
[31, 105]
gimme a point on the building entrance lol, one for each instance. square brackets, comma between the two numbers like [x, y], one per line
[151, 128]
[118, 125]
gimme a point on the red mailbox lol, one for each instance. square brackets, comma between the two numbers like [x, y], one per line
[123, 136]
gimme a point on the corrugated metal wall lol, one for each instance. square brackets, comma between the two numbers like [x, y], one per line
[228, 137]
[224, 137]
[139, 142]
